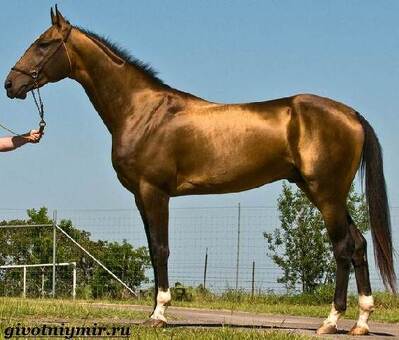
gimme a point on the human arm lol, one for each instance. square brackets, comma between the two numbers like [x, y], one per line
[12, 143]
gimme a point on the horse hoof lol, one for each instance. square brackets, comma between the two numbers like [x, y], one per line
[154, 323]
[358, 331]
[327, 329]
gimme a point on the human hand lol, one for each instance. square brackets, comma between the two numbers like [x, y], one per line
[33, 136]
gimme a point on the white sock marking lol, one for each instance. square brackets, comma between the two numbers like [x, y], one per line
[163, 298]
[332, 317]
[366, 307]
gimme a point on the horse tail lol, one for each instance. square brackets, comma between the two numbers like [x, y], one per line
[371, 169]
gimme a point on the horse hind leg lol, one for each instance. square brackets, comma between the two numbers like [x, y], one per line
[343, 248]
[334, 214]
[366, 301]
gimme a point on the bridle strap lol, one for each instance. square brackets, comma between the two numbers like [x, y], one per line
[34, 74]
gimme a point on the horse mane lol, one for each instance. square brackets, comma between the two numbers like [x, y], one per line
[124, 54]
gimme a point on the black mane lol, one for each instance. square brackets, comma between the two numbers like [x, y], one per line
[124, 54]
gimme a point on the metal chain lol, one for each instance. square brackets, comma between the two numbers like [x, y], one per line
[40, 108]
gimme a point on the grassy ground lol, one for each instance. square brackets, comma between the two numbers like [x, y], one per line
[15, 309]
[224, 333]
[32, 312]
[36, 312]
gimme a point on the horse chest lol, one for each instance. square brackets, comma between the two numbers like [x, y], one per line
[126, 164]
[138, 162]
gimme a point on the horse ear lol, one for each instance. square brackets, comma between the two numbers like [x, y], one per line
[61, 21]
[53, 17]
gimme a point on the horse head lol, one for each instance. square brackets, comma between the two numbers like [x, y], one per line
[45, 61]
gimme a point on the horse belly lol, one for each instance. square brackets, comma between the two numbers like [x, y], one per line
[232, 160]
[228, 183]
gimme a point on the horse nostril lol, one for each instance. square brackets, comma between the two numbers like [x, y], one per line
[8, 84]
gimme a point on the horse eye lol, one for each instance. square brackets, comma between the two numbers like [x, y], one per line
[44, 44]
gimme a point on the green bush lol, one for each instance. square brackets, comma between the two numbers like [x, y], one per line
[84, 292]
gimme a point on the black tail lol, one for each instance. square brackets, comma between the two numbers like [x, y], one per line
[376, 195]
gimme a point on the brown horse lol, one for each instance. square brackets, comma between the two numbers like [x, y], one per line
[169, 143]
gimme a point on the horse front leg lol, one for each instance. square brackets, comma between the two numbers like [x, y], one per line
[154, 208]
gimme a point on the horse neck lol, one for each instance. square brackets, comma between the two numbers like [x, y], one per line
[110, 82]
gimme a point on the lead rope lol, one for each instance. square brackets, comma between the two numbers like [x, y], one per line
[40, 108]
[9, 130]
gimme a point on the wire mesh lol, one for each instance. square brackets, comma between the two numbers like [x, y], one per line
[192, 232]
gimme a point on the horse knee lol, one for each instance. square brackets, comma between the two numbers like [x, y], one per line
[162, 254]
[359, 256]
[344, 250]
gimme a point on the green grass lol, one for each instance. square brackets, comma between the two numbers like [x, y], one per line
[36, 312]
[224, 333]
[16, 309]
[227, 333]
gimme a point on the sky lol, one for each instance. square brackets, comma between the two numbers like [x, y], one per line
[224, 51]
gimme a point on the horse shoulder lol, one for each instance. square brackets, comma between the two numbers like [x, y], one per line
[142, 146]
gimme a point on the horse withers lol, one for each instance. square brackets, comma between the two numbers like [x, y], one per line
[168, 143]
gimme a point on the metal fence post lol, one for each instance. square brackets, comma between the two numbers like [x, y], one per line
[206, 266]
[24, 283]
[42, 282]
[238, 244]
[74, 281]
[253, 279]
[54, 248]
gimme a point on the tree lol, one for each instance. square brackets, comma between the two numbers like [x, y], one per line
[35, 246]
[127, 263]
[300, 245]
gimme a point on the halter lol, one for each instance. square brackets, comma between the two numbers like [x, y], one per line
[35, 73]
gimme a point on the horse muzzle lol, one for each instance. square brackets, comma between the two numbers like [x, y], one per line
[17, 87]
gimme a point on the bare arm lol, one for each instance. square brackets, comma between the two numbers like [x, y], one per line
[12, 143]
